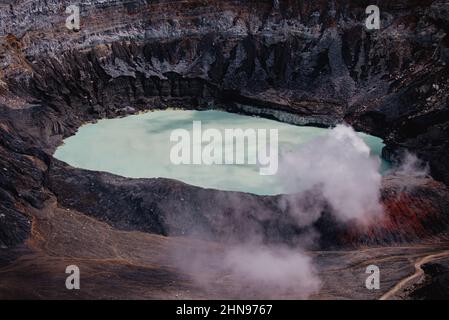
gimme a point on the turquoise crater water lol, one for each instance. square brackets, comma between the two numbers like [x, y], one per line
[138, 146]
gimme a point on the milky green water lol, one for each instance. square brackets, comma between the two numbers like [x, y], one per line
[138, 146]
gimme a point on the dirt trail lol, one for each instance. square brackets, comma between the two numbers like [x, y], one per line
[419, 272]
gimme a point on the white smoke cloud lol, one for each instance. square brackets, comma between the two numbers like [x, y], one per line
[250, 270]
[340, 166]
[408, 170]
[334, 170]
[273, 271]
[411, 166]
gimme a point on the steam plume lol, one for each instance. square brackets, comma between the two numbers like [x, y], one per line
[336, 171]
[340, 166]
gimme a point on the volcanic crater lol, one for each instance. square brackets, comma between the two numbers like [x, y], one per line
[303, 62]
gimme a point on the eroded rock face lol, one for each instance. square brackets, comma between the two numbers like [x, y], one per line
[306, 62]
[308, 57]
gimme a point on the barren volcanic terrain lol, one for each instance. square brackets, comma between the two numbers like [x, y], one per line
[303, 62]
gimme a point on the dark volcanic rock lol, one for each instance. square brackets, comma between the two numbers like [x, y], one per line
[415, 209]
[435, 285]
[169, 207]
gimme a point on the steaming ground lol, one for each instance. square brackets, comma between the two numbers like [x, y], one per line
[137, 265]
[333, 172]
[274, 271]
[336, 170]
[341, 166]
